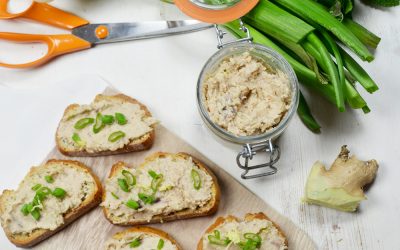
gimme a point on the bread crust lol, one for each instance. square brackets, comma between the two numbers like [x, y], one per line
[143, 143]
[209, 209]
[39, 235]
[149, 230]
[248, 217]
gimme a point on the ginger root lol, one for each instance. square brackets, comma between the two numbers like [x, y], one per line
[340, 187]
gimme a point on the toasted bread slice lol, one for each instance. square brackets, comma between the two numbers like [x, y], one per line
[270, 234]
[82, 192]
[176, 198]
[148, 238]
[138, 131]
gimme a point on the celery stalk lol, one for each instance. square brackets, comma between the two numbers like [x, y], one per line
[326, 62]
[305, 115]
[358, 72]
[272, 20]
[308, 9]
[365, 36]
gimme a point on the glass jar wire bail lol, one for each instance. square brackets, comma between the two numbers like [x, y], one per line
[250, 150]
[221, 33]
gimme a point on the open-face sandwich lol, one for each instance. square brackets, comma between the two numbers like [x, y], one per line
[165, 187]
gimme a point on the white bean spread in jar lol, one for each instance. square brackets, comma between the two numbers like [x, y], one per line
[245, 96]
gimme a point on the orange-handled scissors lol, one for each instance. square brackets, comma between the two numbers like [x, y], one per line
[85, 35]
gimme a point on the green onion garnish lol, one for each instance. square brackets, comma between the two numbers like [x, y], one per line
[115, 196]
[130, 179]
[196, 179]
[36, 187]
[216, 239]
[99, 123]
[59, 192]
[43, 191]
[77, 139]
[153, 174]
[160, 244]
[107, 119]
[252, 236]
[116, 136]
[135, 243]
[123, 185]
[132, 204]
[121, 120]
[35, 214]
[156, 182]
[83, 123]
[49, 179]
[147, 199]
[25, 209]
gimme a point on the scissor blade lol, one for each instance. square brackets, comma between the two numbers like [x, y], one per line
[119, 32]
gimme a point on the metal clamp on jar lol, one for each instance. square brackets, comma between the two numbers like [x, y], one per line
[252, 144]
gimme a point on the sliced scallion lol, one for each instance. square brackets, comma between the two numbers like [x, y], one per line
[123, 185]
[196, 179]
[107, 119]
[77, 139]
[98, 126]
[36, 187]
[116, 136]
[49, 179]
[135, 243]
[132, 204]
[121, 120]
[129, 177]
[59, 192]
[160, 244]
[83, 123]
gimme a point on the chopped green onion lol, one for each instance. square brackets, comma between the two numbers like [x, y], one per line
[77, 139]
[153, 174]
[216, 239]
[196, 179]
[147, 199]
[98, 126]
[123, 185]
[130, 178]
[135, 243]
[44, 191]
[116, 136]
[160, 244]
[156, 182]
[49, 179]
[252, 236]
[36, 187]
[25, 209]
[83, 123]
[59, 192]
[121, 120]
[35, 214]
[132, 204]
[107, 119]
[114, 195]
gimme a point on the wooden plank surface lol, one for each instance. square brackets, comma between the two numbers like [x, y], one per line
[92, 230]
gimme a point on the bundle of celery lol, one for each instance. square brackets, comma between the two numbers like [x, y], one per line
[306, 33]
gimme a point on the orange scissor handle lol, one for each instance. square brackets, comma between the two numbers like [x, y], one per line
[56, 45]
[44, 13]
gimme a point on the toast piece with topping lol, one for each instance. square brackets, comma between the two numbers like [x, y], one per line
[255, 231]
[142, 238]
[165, 187]
[49, 198]
[109, 125]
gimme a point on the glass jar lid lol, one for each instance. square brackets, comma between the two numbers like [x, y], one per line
[216, 11]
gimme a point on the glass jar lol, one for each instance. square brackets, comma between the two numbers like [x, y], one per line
[254, 143]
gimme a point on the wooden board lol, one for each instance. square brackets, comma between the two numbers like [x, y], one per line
[92, 229]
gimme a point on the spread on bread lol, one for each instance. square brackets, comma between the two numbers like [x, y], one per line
[162, 185]
[45, 196]
[246, 97]
[256, 231]
[142, 238]
[110, 123]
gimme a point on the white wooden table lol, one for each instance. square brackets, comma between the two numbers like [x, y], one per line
[163, 74]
